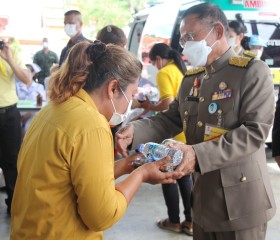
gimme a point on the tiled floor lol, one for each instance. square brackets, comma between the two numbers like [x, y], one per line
[148, 206]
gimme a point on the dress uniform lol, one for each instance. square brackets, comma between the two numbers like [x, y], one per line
[226, 112]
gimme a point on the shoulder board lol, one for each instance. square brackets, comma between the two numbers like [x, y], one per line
[248, 53]
[195, 71]
[240, 61]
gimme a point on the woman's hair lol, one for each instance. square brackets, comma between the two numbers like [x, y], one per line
[164, 51]
[89, 66]
[112, 34]
[237, 27]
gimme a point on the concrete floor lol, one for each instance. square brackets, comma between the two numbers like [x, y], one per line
[148, 206]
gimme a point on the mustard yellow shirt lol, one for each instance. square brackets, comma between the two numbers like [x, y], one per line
[8, 94]
[66, 187]
[169, 79]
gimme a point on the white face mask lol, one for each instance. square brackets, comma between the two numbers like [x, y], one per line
[45, 44]
[70, 29]
[258, 53]
[197, 51]
[231, 42]
[118, 118]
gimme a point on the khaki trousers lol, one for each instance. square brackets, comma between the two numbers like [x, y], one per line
[256, 233]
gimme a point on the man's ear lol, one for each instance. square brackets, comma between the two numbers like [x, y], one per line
[112, 88]
[219, 29]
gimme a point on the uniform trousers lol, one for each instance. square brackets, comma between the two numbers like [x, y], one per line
[10, 141]
[171, 197]
[256, 233]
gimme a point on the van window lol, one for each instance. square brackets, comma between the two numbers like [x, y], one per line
[270, 32]
[158, 29]
[136, 33]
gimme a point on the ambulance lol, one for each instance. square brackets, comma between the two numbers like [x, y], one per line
[160, 24]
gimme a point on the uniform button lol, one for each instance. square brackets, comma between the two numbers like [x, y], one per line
[243, 179]
[186, 113]
[201, 99]
[220, 111]
[199, 124]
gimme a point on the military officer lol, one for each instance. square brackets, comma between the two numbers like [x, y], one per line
[226, 111]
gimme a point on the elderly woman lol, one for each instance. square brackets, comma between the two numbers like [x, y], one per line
[66, 171]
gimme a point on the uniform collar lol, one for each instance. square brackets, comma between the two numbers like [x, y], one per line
[220, 62]
[84, 96]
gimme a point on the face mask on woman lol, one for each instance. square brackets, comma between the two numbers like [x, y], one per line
[70, 30]
[232, 42]
[118, 118]
[197, 51]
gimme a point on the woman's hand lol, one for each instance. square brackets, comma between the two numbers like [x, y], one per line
[124, 165]
[151, 172]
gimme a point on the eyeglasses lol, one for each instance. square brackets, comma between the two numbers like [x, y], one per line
[189, 36]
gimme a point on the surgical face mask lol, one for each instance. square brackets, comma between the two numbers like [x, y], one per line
[231, 42]
[197, 51]
[45, 44]
[70, 29]
[258, 53]
[118, 118]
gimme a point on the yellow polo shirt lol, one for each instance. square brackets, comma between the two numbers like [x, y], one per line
[65, 187]
[169, 79]
[8, 94]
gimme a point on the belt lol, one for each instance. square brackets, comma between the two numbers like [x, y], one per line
[8, 108]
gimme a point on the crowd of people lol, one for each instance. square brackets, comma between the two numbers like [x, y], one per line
[67, 187]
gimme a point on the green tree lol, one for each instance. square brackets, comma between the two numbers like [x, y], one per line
[99, 13]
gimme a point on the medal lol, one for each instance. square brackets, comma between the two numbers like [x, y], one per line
[222, 86]
[196, 85]
[219, 117]
[212, 108]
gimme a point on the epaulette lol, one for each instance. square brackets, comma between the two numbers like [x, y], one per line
[195, 71]
[248, 53]
[240, 61]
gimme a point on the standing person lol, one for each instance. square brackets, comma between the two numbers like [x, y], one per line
[169, 77]
[236, 35]
[226, 126]
[112, 34]
[276, 132]
[256, 45]
[73, 24]
[66, 189]
[45, 58]
[10, 130]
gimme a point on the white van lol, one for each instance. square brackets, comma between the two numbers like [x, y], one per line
[161, 24]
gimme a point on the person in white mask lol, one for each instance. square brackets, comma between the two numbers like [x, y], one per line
[225, 108]
[256, 45]
[236, 35]
[73, 24]
[45, 59]
[67, 187]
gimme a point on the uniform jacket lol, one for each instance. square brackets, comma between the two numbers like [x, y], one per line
[231, 189]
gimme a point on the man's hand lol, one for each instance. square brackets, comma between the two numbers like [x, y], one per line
[124, 138]
[189, 158]
[277, 159]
